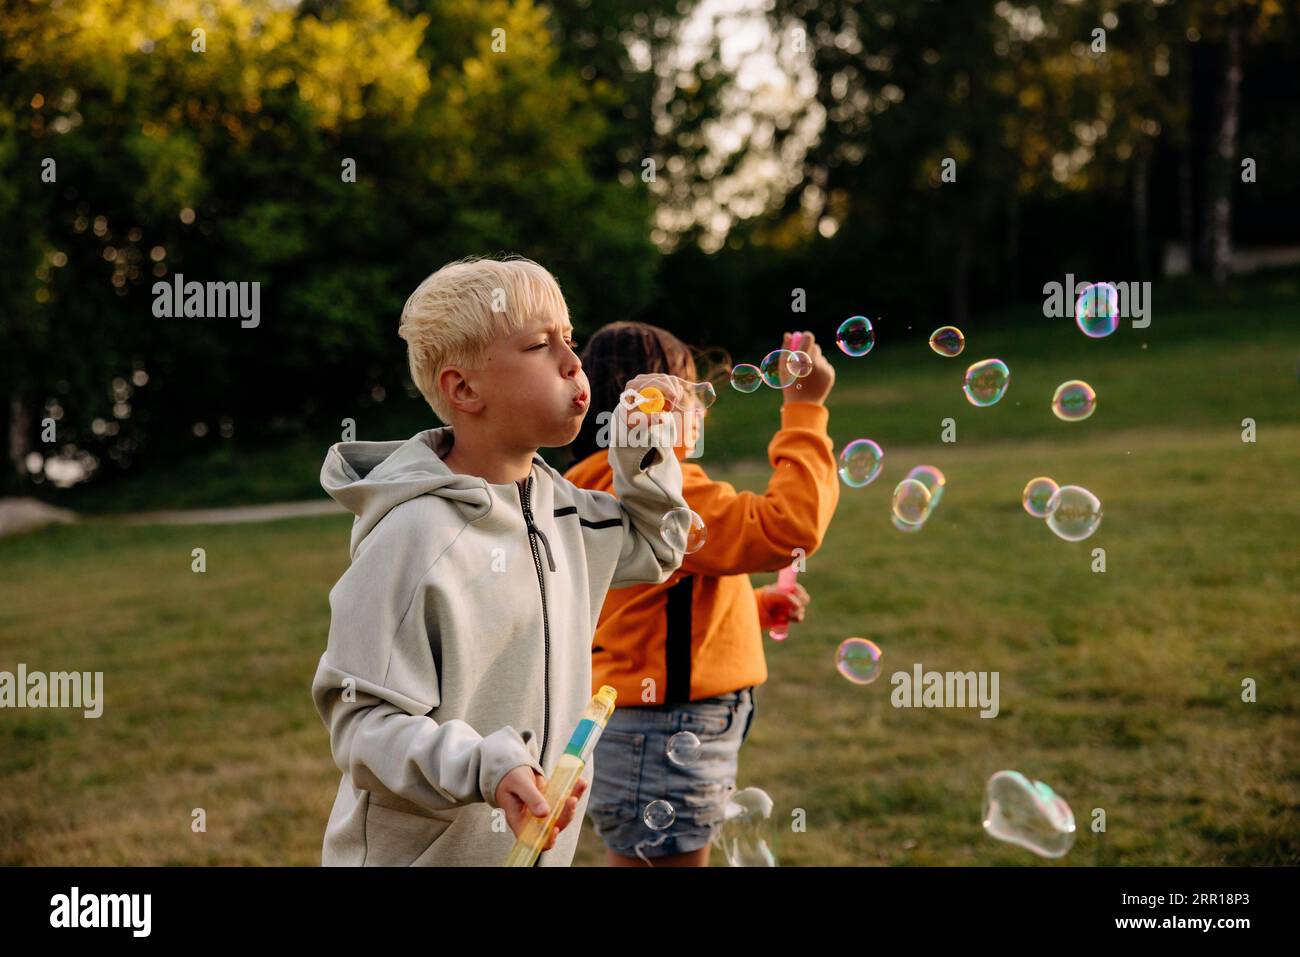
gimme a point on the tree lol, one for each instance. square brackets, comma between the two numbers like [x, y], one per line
[223, 160]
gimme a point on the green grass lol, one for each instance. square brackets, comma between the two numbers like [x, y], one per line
[1122, 690]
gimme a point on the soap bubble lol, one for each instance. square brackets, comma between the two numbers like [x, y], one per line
[1029, 814]
[746, 378]
[658, 815]
[932, 479]
[743, 835]
[986, 382]
[903, 526]
[775, 369]
[683, 530]
[800, 364]
[911, 501]
[702, 393]
[858, 660]
[947, 341]
[1037, 496]
[1073, 513]
[855, 337]
[1096, 311]
[684, 748]
[860, 462]
[1074, 401]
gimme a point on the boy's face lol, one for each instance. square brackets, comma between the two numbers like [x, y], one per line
[534, 392]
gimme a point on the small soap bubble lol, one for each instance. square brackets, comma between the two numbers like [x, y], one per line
[683, 530]
[684, 748]
[986, 382]
[775, 369]
[800, 364]
[1029, 814]
[932, 478]
[855, 336]
[947, 341]
[1096, 310]
[858, 660]
[746, 378]
[1074, 513]
[911, 502]
[860, 463]
[703, 393]
[1074, 401]
[658, 815]
[1037, 496]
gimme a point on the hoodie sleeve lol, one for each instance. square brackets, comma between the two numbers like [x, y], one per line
[648, 484]
[748, 532]
[377, 683]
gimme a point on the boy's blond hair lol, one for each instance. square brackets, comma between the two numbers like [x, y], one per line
[458, 311]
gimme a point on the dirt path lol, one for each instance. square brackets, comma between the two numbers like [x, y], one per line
[235, 515]
[24, 514]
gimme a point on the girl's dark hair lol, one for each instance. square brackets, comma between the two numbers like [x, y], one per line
[621, 351]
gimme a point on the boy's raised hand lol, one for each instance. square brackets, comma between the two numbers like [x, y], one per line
[673, 389]
[816, 385]
[520, 795]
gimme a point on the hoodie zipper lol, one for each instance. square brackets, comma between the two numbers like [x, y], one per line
[525, 494]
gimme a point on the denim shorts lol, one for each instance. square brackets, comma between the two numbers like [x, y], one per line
[632, 769]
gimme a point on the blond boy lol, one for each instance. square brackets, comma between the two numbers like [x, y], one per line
[459, 656]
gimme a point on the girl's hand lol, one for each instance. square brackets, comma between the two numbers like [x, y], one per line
[778, 607]
[816, 385]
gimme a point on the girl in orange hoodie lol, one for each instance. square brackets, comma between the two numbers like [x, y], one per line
[686, 654]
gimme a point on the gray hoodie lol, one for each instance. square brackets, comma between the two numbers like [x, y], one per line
[460, 638]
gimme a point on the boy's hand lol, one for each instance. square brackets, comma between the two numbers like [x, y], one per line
[816, 385]
[673, 389]
[520, 795]
[780, 607]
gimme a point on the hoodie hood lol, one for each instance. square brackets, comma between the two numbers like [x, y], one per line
[370, 479]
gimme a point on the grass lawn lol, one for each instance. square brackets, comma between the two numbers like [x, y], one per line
[1122, 690]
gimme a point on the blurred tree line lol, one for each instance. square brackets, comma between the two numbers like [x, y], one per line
[1065, 158]
[128, 154]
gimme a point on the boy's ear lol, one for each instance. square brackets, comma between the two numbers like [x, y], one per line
[458, 390]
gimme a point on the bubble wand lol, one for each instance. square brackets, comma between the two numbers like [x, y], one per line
[785, 581]
[582, 742]
[795, 339]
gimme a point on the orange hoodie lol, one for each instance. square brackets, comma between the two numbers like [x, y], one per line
[699, 634]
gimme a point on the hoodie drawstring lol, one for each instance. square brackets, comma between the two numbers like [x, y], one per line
[546, 545]
[525, 491]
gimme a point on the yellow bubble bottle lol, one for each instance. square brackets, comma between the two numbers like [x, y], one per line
[567, 772]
